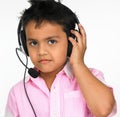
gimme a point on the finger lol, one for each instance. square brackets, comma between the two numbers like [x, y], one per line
[78, 36]
[83, 33]
[73, 41]
[82, 30]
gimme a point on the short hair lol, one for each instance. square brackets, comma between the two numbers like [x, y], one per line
[51, 11]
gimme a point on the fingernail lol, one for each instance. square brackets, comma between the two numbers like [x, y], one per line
[80, 25]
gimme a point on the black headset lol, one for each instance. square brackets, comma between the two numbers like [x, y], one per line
[22, 38]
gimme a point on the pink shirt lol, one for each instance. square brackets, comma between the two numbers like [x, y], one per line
[64, 100]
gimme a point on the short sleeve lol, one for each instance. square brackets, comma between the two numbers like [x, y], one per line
[11, 106]
[100, 76]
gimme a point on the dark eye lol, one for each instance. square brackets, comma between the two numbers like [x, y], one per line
[52, 42]
[33, 43]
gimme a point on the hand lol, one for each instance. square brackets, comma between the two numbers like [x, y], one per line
[79, 47]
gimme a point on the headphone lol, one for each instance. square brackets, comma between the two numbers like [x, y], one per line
[22, 38]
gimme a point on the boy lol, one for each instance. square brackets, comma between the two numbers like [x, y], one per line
[65, 87]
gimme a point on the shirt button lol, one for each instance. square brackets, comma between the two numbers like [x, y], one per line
[54, 90]
[54, 115]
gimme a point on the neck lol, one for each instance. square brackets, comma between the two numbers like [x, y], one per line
[48, 78]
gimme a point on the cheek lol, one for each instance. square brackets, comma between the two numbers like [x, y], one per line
[61, 52]
[33, 57]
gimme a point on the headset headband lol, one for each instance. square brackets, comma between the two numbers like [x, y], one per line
[22, 36]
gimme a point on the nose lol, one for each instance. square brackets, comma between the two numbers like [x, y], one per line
[42, 50]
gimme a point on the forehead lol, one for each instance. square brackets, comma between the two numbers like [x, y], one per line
[43, 30]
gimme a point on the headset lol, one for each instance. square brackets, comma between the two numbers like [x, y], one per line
[22, 38]
[23, 48]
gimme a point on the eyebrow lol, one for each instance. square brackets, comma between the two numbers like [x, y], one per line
[47, 38]
[52, 37]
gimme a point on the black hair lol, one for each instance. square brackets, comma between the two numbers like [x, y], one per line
[51, 11]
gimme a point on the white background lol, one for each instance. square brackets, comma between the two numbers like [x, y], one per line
[101, 20]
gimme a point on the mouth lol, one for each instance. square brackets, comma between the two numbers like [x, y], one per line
[44, 61]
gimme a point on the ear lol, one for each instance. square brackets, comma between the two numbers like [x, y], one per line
[69, 49]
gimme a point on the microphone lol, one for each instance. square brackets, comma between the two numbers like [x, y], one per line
[32, 72]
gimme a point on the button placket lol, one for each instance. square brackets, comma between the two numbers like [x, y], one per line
[54, 102]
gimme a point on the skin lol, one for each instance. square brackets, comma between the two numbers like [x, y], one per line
[45, 47]
[46, 51]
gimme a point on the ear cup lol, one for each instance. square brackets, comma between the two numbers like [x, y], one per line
[70, 46]
[69, 51]
[23, 40]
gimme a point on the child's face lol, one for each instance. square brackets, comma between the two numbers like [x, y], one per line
[47, 46]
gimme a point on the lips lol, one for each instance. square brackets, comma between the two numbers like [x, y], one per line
[44, 61]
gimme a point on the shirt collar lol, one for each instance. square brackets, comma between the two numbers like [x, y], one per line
[67, 70]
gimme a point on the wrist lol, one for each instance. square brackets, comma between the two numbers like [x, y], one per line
[78, 67]
[78, 64]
